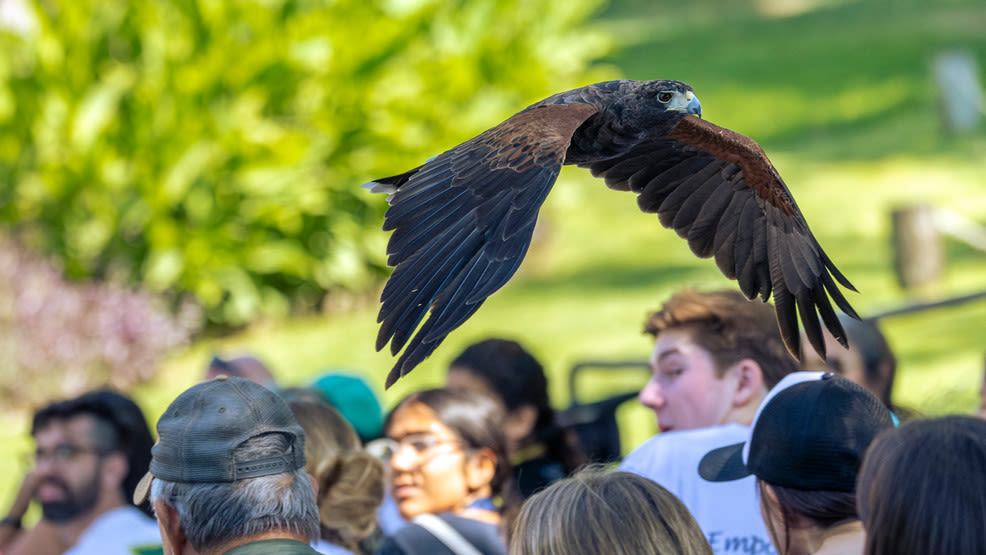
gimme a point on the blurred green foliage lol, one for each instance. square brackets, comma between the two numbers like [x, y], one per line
[214, 147]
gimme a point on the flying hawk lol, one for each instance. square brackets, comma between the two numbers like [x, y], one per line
[462, 222]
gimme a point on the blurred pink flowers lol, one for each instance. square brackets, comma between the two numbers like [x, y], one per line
[60, 338]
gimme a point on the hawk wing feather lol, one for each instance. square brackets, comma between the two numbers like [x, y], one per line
[462, 224]
[718, 190]
[423, 277]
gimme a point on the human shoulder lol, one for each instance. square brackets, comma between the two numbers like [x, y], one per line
[848, 538]
[483, 535]
[127, 515]
[124, 529]
[409, 540]
[683, 447]
[416, 539]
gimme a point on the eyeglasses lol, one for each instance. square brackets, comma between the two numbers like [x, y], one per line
[386, 448]
[61, 454]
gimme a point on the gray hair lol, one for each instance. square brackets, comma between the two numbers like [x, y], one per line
[213, 513]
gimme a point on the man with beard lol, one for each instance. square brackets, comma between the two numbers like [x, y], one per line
[90, 453]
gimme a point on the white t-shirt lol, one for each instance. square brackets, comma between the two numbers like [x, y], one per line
[727, 512]
[122, 531]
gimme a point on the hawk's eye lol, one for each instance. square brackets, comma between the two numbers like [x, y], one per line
[665, 96]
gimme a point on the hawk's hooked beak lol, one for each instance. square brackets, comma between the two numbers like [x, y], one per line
[687, 103]
[693, 106]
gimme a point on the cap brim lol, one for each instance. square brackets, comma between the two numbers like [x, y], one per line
[143, 489]
[724, 464]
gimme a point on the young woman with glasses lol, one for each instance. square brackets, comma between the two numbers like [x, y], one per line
[449, 473]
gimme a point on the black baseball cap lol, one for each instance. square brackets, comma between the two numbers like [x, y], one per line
[201, 429]
[810, 433]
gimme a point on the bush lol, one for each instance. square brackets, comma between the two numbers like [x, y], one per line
[217, 147]
[61, 339]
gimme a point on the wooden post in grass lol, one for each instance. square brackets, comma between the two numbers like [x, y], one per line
[919, 253]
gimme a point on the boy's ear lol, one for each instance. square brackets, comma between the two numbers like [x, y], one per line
[749, 384]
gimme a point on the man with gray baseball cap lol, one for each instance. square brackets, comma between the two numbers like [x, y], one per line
[227, 474]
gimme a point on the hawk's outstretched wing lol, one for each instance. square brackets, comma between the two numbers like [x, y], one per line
[717, 189]
[462, 224]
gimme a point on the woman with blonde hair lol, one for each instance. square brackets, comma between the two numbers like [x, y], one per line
[615, 512]
[350, 481]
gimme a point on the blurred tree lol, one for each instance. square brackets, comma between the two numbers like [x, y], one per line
[215, 146]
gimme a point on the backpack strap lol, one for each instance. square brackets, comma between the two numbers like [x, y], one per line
[446, 534]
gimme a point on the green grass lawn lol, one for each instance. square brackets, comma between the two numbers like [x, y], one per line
[839, 95]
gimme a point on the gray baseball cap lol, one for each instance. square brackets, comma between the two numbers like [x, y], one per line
[203, 426]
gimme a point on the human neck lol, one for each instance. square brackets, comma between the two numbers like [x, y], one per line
[811, 539]
[743, 414]
[477, 513]
[233, 544]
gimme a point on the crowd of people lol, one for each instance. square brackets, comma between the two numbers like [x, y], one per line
[757, 453]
